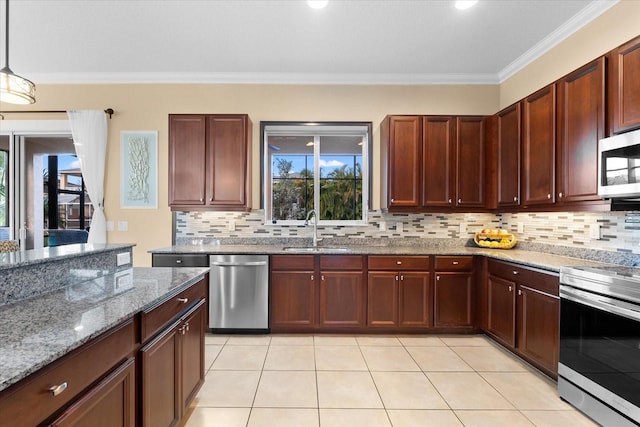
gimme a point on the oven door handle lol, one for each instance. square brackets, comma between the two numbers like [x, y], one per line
[600, 302]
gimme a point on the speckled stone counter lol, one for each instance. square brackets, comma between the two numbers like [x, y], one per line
[39, 330]
[24, 274]
[542, 260]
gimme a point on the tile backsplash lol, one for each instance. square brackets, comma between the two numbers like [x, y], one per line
[619, 231]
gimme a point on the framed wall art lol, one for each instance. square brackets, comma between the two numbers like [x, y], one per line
[139, 169]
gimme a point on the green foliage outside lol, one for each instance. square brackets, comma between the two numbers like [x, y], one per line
[340, 193]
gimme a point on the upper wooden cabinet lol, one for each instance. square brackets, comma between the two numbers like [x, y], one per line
[432, 162]
[581, 114]
[507, 152]
[539, 147]
[402, 146]
[209, 162]
[624, 87]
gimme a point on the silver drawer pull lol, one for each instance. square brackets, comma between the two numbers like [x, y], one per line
[57, 389]
[455, 262]
[515, 272]
[398, 262]
[183, 300]
[178, 261]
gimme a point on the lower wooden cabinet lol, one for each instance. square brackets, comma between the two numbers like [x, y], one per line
[341, 299]
[173, 369]
[454, 292]
[400, 297]
[109, 403]
[524, 312]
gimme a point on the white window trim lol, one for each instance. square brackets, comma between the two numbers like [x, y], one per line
[341, 130]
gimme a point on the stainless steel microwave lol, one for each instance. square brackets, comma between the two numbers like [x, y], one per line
[619, 166]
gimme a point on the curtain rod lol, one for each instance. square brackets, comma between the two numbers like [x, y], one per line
[109, 111]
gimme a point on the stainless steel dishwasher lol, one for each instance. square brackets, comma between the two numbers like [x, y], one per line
[239, 293]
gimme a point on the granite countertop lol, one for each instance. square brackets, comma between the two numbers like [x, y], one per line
[39, 330]
[542, 260]
[55, 253]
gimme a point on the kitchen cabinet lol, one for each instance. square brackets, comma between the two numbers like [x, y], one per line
[177, 350]
[507, 152]
[432, 162]
[523, 312]
[454, 296]
[293, 296]
[342, 291]
[399, 293]
[581, 115]
[624, 87]
[401, 137]
[310, 293]
[95, 379]
[539, 147]
[209, 162]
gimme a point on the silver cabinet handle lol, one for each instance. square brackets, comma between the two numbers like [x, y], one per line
[519, 291]
[57, 389]
[201, 200]
[510, 288]
[183, 300]
[398, 262]
[455, 262]
[322, 278]
[312, 277]
[401, 277]
[396, 278]
[560, 195]
[178, 261]
[450, 201]
[459, 201]
[515, 198]
[548, 196]
[393, 200]
[437, 277]
[515, 273]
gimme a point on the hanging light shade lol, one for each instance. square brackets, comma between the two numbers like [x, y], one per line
[13, 88]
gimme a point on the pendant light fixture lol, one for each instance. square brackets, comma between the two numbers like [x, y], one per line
[13, 88]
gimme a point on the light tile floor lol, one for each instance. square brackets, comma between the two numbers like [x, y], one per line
[371, 381]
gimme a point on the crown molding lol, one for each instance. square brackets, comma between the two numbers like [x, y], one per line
[579, 20]
[265, 78]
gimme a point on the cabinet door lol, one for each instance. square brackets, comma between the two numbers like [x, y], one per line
[227, 173]
[501, 321]
[624, 89]
[580, 126]
[293, 299]
[341, 298]
[453, 300]
[538, 326]
[539, 147]
[405, 151]
[414, 299]
[470, 162]
[111, 403]
[187, 160]
[438, 161]
[382, 298]
[192, 354]
[160, 379]
[508, 147]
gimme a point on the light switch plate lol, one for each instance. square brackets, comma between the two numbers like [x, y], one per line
[110, 226]
[123, 226]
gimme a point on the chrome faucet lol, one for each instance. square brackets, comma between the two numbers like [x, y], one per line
[313, 213]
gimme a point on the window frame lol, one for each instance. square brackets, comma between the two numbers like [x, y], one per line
[307, 128]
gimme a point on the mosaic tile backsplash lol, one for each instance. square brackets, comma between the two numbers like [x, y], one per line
[619, 231]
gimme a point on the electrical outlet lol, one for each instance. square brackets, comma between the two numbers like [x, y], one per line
[383, 226]
[521, 227]
[110, 226]
[399, 227]
[123, 225]
[594, 231]
[231, 225]
[463, 227]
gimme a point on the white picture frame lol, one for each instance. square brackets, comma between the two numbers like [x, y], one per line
[138, 169]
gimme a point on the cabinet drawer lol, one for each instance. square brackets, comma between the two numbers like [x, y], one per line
[542, 281]
[454, 263]
[156, 318]
[180, 260]
[293, 262]
[395, 263]
[31, 402]
[341, 262]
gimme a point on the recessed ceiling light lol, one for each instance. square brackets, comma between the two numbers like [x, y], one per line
[318, 4]
[465, 4]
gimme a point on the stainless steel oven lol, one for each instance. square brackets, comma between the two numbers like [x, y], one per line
[599, 369]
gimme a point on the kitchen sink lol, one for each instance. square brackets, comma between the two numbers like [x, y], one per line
[316, 249]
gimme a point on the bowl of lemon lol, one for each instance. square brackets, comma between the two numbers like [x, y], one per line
[494, 238]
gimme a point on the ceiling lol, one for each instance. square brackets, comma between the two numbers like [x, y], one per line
[264, 41]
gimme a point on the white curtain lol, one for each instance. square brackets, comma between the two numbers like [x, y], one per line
[89, 131]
